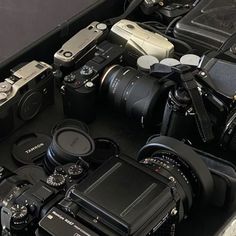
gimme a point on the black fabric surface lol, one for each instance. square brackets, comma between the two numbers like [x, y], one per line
[22, 22]
[204, 222]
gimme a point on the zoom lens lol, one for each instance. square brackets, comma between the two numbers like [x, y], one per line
[177, 162]
[131, 92]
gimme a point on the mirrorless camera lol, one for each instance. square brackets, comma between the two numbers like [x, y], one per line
[24, 94]
[26, 197]
[80, 88]
[23, 203]
[124, 197]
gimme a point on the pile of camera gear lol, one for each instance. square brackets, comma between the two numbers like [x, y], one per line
[74, 184]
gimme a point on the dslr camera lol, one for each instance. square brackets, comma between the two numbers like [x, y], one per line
[24, 94]
[147, 196]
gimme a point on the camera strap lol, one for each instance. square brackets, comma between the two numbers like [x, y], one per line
[132, 6]
[202, 118]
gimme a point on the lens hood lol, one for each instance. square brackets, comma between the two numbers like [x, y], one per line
[188, 156]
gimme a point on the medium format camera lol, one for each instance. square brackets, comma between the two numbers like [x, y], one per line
[148, 197]
[218, 95]
[80, 88]
[24, 94]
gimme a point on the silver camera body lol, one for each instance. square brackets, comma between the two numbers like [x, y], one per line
[140, 41]
[24, 94]
[80, 45]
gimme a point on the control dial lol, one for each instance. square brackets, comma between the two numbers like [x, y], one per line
[56, 180]
[75, 171]
[19, 214]
[86, 71]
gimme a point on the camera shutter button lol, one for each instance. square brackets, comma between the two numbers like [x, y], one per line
[89, 84]
[101, 26]
[5, 87]
[3, 97]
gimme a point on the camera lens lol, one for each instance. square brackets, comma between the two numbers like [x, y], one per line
[134, 93]
[68, 145]
[176, 161]
[228, 137]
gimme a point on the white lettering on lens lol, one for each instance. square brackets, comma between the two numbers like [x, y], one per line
[34, 148]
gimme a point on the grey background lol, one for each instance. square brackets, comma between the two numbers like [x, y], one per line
[24, 21]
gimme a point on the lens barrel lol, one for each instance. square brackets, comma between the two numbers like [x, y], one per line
[179, 163]
[134, 93]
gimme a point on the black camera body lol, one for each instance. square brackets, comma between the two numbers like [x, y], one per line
[117, 204]
[24, 94]
[24, 203]
[148, 197]
[66, 176]
[80, 88]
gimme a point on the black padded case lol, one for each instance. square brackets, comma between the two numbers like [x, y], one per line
[204, 222]
[208, 25]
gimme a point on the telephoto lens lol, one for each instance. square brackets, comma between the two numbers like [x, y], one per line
[69, 145]
[179, 163]
[138, 95]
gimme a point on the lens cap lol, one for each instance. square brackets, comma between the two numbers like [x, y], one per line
[70, 143]
[31, 148]
[70, 123]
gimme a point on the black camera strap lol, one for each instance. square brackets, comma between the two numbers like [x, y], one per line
[202, 118]
[132, 6]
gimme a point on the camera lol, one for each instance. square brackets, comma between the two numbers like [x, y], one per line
[80, 45]
[138, 41]
[24, 94]
[23, 203]
[26, 197]
[147, 196]
[80, 88]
